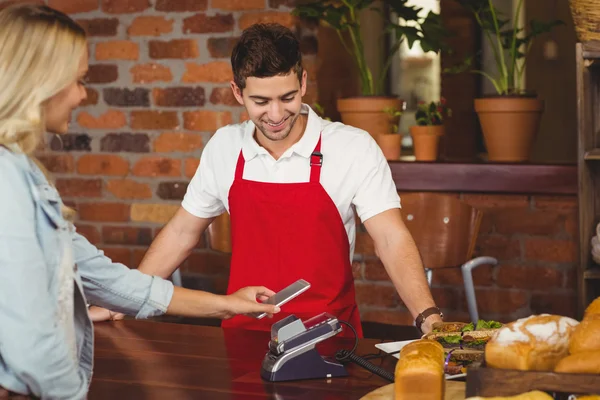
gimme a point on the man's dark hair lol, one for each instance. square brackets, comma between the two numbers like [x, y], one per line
[263, 51]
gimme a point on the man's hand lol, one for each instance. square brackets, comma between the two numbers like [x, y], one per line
[98, 314]
[430, 323]
[244, 301]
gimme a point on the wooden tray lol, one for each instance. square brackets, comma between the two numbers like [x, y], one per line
[485, 381]
[454, 391]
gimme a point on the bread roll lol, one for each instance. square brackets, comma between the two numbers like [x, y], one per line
[581, 363]
[586, 337]
[535, 343]
[419, 372]
[592, 309]
[534, 395]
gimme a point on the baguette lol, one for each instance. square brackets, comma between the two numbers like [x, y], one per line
[535, 343]
[586, 336]
[593, 310]
[419, 373]
[581, 363]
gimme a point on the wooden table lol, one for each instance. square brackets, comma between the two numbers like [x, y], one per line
[151, 360]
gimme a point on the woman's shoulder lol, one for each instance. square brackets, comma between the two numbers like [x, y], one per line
[14, 169]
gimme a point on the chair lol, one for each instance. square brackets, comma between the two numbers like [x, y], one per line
[445, 230]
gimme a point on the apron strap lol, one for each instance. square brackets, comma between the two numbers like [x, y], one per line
[239, 169]
[316, 161]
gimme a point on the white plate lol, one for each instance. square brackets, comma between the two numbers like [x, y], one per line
[391, 347]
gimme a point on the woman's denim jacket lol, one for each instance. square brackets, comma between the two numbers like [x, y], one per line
[34, 354]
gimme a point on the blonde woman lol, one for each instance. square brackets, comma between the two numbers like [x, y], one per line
[48, 272]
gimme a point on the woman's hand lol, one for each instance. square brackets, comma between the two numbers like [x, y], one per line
[98, 314]
[244, 301]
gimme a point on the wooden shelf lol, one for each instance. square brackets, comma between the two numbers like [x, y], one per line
[593, 154]
[592, 273]
[591, 50]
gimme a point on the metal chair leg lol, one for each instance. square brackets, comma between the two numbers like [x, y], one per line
[176, 278]
[467, 273]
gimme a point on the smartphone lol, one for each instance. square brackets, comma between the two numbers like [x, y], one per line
[284, 295]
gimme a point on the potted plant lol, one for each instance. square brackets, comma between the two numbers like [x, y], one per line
[429, 129]
[510, 118]
[367, 111]
[391, 142]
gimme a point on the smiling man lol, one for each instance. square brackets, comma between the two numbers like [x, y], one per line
[291, 182]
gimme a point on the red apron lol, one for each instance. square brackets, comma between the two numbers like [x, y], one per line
[282, 232]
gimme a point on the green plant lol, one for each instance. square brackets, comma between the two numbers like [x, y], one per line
[432, 113]
[394, 115]
[510, 46]
[343, 16]
[320, 111]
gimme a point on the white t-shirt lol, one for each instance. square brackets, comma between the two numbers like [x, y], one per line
[354, 173]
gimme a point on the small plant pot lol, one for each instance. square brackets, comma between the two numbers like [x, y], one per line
[367, 113]
[390, 144]
[426, 141]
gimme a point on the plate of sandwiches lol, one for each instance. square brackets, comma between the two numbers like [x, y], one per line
[463, 344]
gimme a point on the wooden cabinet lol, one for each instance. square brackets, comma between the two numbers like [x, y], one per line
[588, 153]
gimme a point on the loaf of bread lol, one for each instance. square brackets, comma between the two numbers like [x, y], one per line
[535, 343]
[586, 336]
[581, 363]
[419, 372]
[593, 309]
[534, 395]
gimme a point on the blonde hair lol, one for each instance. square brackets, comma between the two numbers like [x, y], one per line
[40, 49]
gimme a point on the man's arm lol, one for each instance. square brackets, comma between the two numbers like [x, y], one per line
[174, 244]
[398, 252]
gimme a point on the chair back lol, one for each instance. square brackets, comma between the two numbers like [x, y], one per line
[219, 234]
[444, 228]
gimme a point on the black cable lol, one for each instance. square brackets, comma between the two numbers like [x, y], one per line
[348, 355]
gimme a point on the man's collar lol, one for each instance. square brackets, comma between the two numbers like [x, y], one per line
[304, 147]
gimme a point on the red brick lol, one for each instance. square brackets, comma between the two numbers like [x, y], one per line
[74, 6]
[364, 244]
[206, 120]
[156, 213]
[283, 18]
[57, 163]
[553, 250]
[129, 189]
[374, 270]
[484, 201]
[312, 93]
[157, 166]
[224, 96]
[244, 116]
[150, 26]
[557, 203]
[181, 5]
[234, 5]
[75, 187]
[214, 72]
[137, 257]
[456, 315]
[511, 221]
[208, 263]
[90, 232]
[529, 277]
[554, 303]
[172, 190]
[377, 295]
[155, 120]
[126, 235]
[111, 119]
[571, 279]
[148, 73]
[497, 246]
[118, 254]
[124, 6]
[184, 142]
[391, 317]
[104, 212]
[447, 298]
[176, 48]
[310, 65]
[202, 23]
[102, 164]
[179, 96]
[191, 165]
[221, 47]
[117, 50]
[92, 97]
[482, 276]
[501, 301]
[99, 26]
[102, 73]
[357, 270]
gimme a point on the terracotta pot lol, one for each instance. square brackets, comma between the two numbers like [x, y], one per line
[367, 113]
[219, 234]
[510, 125]
[426, 141]
[390, 144]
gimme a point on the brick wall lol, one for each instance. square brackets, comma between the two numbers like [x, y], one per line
[535, 241]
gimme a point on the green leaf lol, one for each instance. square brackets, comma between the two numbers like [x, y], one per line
[454, 339]
[469, 327]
